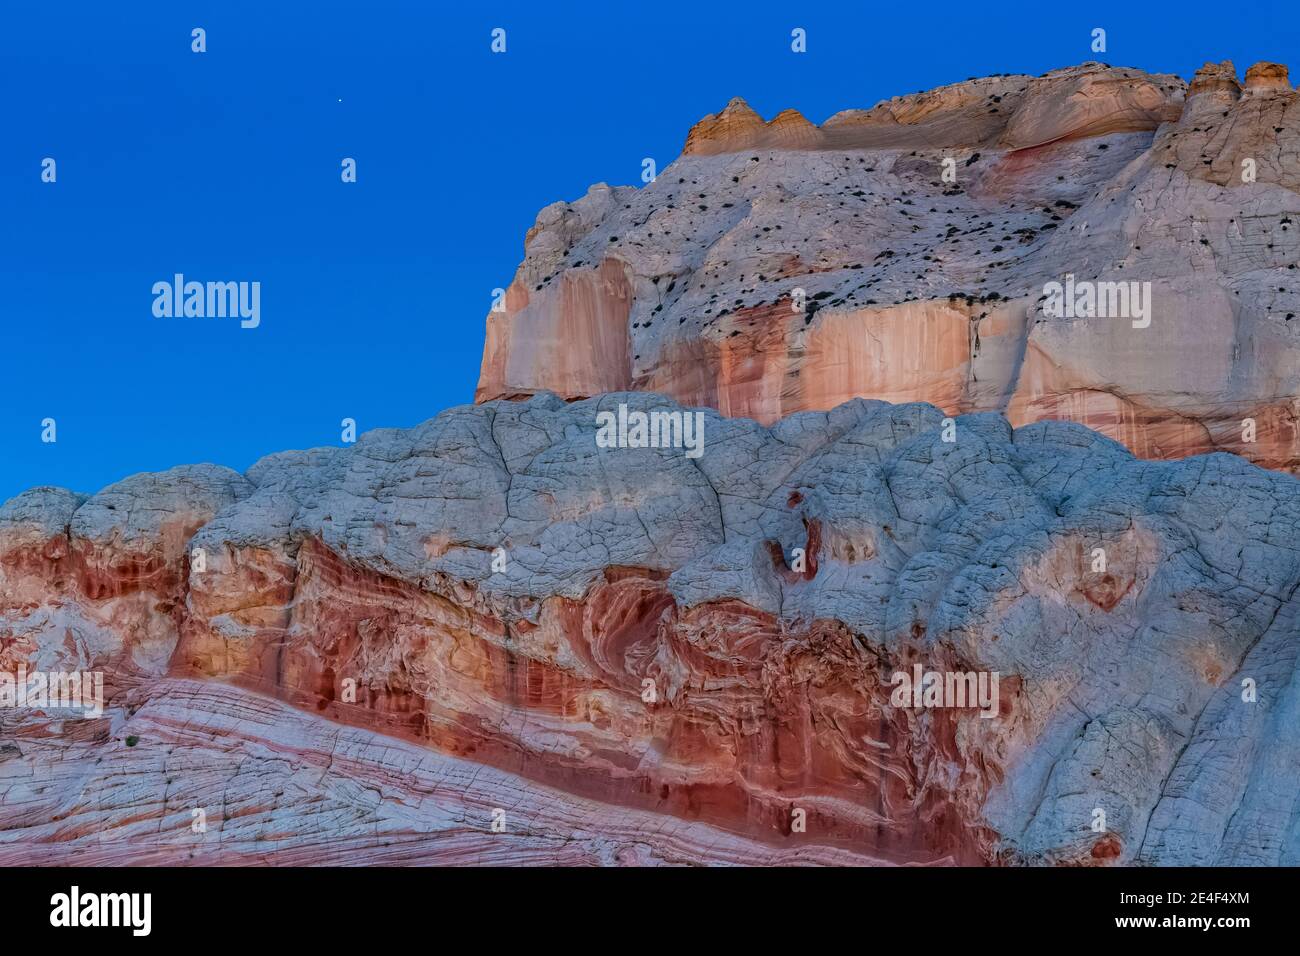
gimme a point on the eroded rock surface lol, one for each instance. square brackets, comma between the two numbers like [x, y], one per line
[779, 266]
[642, 657]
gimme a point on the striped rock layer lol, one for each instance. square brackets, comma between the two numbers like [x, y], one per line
[490, 638]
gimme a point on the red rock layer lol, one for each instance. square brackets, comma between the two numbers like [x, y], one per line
[577, 332]
[748, 724]
[280, 787]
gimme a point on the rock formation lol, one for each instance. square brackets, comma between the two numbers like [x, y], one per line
[902, 253]
[582, 622]
[353, 655]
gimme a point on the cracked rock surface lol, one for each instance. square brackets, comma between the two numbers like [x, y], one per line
[645, 657]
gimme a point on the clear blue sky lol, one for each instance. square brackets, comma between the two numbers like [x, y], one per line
[225, 166]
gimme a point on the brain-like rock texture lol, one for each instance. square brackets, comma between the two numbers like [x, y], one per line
[903, 253]
[493, 638]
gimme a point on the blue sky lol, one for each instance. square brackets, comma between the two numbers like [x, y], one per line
[225, 166]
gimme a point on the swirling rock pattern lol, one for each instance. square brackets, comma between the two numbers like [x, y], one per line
[643, 657]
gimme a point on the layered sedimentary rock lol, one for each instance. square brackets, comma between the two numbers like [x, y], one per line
[279, 787]
[498, 637]
[904, 253]
[581, 622]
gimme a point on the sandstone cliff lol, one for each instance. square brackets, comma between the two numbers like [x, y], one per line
[510, 636]
[384, 646]
[779, 266]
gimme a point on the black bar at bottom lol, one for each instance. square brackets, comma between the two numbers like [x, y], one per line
[212, 906]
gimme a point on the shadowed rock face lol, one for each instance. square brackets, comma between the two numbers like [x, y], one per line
[779, 267]
[644, 657]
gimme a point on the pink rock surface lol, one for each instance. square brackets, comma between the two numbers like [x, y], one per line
[277, 786]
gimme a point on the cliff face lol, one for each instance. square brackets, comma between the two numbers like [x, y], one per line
[904, 253]
[622, 650]
[579, 622]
